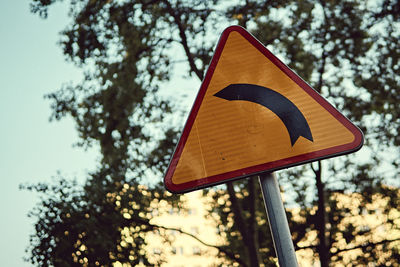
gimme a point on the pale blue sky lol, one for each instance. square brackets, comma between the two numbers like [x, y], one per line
[32, 148]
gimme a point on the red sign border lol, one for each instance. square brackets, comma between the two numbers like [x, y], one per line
[266, 167]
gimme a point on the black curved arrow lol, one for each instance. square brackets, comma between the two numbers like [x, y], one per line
[290, 115]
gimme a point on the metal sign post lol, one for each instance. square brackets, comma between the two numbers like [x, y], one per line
[277, 220]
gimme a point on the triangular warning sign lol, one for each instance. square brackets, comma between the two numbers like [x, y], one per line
[253, 114]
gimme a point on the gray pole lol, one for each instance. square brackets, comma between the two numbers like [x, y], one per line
[277, 220]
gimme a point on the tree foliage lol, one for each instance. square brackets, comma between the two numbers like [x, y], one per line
[346, 49]
[84, 227]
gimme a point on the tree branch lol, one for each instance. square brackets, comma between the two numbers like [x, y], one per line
[369, 244]
[306, 247]
[177, 18]
[313, 169]
[351, 248]
[221, 249]
[324, 55]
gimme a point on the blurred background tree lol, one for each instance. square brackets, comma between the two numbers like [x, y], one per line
[346, 50]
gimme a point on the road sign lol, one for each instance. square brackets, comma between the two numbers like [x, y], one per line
[254, 114]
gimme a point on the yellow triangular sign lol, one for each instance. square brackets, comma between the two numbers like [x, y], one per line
[253, 114]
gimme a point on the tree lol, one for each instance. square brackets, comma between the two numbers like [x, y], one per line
[347, 51]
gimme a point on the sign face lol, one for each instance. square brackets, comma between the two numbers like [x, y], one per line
[254, 114]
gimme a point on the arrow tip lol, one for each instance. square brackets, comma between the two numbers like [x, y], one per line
[303, 130]
[222, 94]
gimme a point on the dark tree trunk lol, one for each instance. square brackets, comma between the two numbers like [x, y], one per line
[322, 248]
[248, 238]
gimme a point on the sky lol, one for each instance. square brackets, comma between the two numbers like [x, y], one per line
[32, 148]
